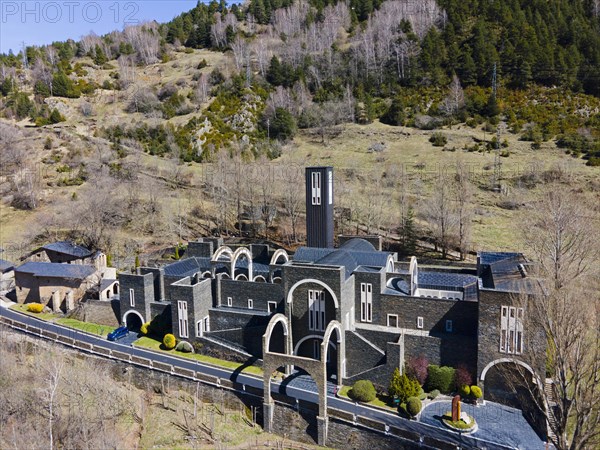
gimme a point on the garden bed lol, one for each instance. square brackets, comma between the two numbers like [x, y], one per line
[459, 425]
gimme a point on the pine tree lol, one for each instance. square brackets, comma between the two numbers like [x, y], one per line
[408, 233]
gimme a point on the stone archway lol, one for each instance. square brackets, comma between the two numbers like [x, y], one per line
[242, 251]
[315, 368]
[133, 319]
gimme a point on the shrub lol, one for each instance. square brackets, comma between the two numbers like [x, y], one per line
[417, 368]
[35, 308]
[413, 406]
[476, 391]
[169, 341]
[464, 391]
[438, 139]
[440, 378]
[363, 391]
[593, 162]
[433, 394]
[184, 347]
[462, 376]
[402, 386]
[145, 328]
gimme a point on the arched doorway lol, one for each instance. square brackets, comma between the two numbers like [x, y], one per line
[133, 320]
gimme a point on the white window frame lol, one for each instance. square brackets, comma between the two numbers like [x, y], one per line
[511, 330]
[316, 310]
[229, 301]
[250, 303]
[420, 322]
[330, 186]
[366, 302]
[395, 318]
[206, 324]
[182, 318]
[315, 184]
[449, 326]
[272, 307]
[132, 297]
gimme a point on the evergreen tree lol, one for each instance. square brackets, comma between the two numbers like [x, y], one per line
[99, 56]
[408, 233]
[395, 113]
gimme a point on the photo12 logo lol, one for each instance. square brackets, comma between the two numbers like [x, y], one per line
[29, 12]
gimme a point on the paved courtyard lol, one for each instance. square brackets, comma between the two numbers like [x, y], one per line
[497, 423]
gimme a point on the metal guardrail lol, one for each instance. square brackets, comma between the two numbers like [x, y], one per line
[343, 416]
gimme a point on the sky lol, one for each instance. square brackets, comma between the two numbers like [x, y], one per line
[43, 22]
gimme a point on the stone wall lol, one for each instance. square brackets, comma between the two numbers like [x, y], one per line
[260, 293]
[99, 311]
[143, 288]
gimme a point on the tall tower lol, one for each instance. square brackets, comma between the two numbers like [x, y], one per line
[319, 207]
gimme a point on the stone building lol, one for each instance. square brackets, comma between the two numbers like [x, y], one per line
[388, 311]
[59, 286]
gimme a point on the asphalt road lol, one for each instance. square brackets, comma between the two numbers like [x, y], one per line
[291, 391]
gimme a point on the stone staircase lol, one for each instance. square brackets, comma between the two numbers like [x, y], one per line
[551, 398]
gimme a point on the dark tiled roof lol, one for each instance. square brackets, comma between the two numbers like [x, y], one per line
[187, 267]
[104, 283]
[68, 248]
[444, 279]
[56, 270]
[5, 265]
[500, 271]
[311, 254]
[359, 245]
[354, 253]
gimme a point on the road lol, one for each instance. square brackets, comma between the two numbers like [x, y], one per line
[243, 379]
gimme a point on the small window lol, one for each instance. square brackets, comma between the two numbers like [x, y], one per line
[448, 326]
[420, 323]
[132, 298]
[229, 301]
[250, 303]
[199, 328]
[272, 307]
[392, 320]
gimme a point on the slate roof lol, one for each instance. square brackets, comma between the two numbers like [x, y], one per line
[445, 279]
[5, 265]
[354, 253]
[56, 270]
[189, 266]
[500, 271]
[68, 248]
[104, 283]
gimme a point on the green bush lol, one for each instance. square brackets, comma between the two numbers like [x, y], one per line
[440, 378]
[169, 341]
[476, 392]
[145, 328]
[433, 394]
[438, 139]
[402, 386]
[464, 391]
[593, 162]
[35, 307]
[413, 406]
[184, 347]
[363, 391]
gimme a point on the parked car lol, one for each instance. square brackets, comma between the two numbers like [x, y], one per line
[118, 333]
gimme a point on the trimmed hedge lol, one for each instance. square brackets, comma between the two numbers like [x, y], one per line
[145, 328]
[440, 378]
[476, 392]
[35, 307]
[363, 391]
[413, 406]
[464, 391]
[169, 341]
[433, 394]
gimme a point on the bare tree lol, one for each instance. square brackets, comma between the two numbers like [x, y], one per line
[566, 305]
[464, 214]
[455, 100]
[292, 176]
[202, 89]
[53, 366]
[127, 74]
[440, 214]
[42, 73]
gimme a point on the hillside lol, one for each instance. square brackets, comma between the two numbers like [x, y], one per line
[142, 139]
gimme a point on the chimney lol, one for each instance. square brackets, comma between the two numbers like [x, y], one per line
[319, 207]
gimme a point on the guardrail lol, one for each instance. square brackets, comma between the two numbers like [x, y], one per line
[223, 383]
